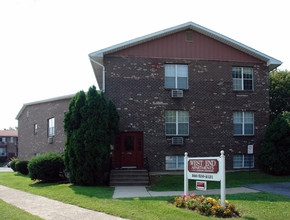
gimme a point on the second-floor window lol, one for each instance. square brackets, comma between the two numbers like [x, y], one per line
[242, 78]
[176, 123]
[243, 123]
[176, 76]
[51, 126]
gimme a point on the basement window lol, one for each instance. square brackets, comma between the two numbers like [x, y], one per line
[174, 162]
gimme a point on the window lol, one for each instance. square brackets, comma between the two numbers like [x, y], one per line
[3, 152]
[243, 161]
[35, 129]
[243, 123]
[176, 76]
[51, 127]
[3, 140]
[242, 78]
[176, 122]
[11, 140]
[174, 162]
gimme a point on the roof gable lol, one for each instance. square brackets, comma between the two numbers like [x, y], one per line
[271, 62]
[176, 45]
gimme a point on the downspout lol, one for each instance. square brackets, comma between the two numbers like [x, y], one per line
[101, 65]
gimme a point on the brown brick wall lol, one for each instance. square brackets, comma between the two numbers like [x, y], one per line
[30, 143]
[136, 86]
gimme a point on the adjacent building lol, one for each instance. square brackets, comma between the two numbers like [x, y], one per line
[8, 144]
[40, 126]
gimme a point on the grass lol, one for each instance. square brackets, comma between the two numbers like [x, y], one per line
[233, 179]
[253, 206]
[9, 212]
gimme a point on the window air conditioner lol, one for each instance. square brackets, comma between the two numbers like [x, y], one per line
[50, 140]
[177, 140]
[176, 93]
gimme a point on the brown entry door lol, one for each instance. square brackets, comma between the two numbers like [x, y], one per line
[131, 149]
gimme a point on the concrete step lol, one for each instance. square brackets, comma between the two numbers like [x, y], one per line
[129, 177]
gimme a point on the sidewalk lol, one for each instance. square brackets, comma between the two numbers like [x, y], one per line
[47, 208]
[140, 191]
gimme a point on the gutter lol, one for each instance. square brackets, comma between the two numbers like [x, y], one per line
[101, 65]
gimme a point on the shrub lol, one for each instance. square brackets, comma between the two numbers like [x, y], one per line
[21, 167]
[12, 163]
[207, 206]
[47, 167]
[275, 152]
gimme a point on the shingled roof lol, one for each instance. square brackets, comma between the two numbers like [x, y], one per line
[8, 133]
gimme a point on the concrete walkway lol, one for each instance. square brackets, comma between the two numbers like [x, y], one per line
[6, 169]
[47, 208]
[140, 191]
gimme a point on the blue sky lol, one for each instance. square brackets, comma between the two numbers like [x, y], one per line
[44, 44]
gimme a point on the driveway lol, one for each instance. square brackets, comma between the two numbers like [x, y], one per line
[275, 188]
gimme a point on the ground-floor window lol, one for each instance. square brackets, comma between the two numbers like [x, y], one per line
[243, 161]
[174, 162]
[3, 152]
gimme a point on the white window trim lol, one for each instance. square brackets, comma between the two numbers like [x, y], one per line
[243, 161]
[243, 126]
[176, 163]
[242, 73]
[176, 125]
[51, 134]
[176, 76]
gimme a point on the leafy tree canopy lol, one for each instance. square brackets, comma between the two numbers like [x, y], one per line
[279, 83]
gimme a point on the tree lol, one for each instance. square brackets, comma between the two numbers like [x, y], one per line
[275, 151]
[74, 146]
[279, 83]
[91, 125]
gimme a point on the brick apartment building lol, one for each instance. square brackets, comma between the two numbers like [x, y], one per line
[183, 89]
[186, 89]
[40, 126]
[8, 144]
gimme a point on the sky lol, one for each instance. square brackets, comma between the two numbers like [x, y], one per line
[44, 44]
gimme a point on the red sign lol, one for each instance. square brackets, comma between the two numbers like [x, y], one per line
[203, 165]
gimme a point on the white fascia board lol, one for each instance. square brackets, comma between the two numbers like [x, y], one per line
[190, 25]
[43, 101]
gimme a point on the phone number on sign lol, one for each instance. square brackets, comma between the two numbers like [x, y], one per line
[204, 176]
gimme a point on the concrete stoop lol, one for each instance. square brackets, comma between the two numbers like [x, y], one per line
[129, 177]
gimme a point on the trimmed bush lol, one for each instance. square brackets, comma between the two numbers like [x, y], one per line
[12, 163]
[47, 167]
[21, 167]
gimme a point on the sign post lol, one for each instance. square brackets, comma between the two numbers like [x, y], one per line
[206, 168]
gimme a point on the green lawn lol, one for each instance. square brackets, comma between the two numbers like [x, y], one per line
[9, 212]
[233, 179]
[252, 206]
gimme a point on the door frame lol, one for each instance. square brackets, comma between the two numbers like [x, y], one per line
[119, 150]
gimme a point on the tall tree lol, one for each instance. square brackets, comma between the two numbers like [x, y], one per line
[279, 83]
[74, 153]
[89, 152]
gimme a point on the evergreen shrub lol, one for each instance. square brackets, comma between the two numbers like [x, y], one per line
[275, 151]
[21, 167]
[47, 167]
